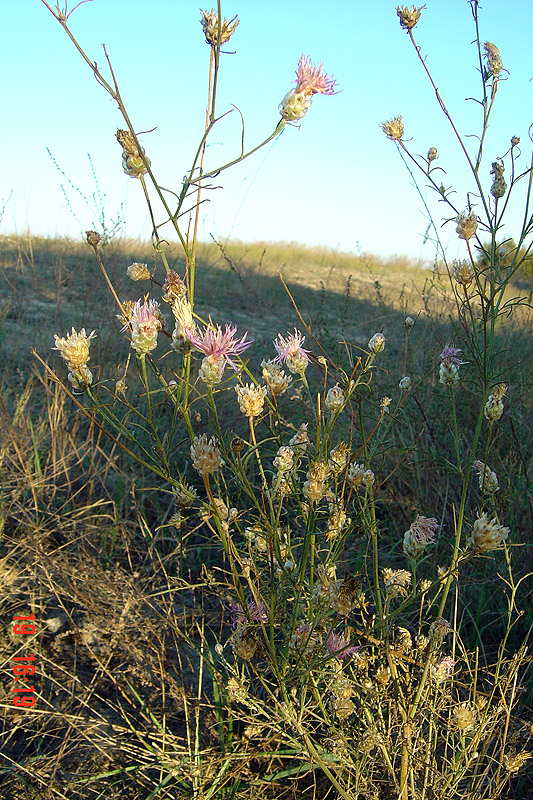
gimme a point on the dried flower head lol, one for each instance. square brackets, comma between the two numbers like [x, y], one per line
[463, 272]
[306, 639]
[422, 532]
[314, 487]
[173, 288]
[513, 762]
[396, 582]
[499, 186]
[334, 401]
[138, 272]
[134, 161]
[463, 717]
[338, 458]
[344, 595]
[488, 480]
[337, 520]
[409, 16]
[442, 671]
[291, 352]
[369, 478]
[494, 62]
[377, 343]
[393, 128]
[439, 629]
[244, 642]
[487, 535]
[466, 225]
[310, 80]
[277, 381]
[355, 475]
[93, 238]
[300, 440]
[284, 459]
[251, 399]
[494, 405]
[209, 23]
[205, 455]
[405, 384]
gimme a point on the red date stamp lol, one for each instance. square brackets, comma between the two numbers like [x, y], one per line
[23, 666]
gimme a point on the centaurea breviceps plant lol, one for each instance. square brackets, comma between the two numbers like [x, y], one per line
[353, 665]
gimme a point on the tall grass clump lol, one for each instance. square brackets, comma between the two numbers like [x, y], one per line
[361, 623]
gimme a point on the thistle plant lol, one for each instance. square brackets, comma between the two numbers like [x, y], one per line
[347, 651]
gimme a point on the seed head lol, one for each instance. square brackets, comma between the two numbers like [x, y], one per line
[205, 455]
[244, 642]
[487, 535]
[409, 16]
[442, 671]
[393, 128]
[209, 23]
[338, 458]
[93, 238]
[173, 288]
[396, 582]
[466, 225]
[439, 629]
[343, 595]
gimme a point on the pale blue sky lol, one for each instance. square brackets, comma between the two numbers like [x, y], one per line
[335, 181]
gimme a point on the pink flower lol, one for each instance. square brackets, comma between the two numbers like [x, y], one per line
[422, 532]
[291, 351]
[145, 322]
[449, 355]
[238, 615]
[312, 80]
[339, 645]
[220, 344]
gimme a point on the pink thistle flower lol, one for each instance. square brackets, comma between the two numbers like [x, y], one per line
[145, 323]
[291, 351]
[339, 645]
[312, 80]
[238, 615]
[449, 355]
[213, 341]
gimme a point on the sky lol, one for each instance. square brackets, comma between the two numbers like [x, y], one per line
[334, 180]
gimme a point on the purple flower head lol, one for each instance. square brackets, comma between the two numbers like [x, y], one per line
[290, 347]
[256, 613]
[339, 645]
[312, 80]
[449, 355]
[424, 529]
[213, 341]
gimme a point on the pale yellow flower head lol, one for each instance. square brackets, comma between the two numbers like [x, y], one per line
[74, 348]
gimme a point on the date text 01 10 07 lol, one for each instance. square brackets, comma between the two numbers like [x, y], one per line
[22, 666]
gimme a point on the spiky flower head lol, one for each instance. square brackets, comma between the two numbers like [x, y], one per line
[145, 324]
[205, 455]
[213, 341]
[409, 16]
[466, 225]
[488, 480]
[393, 128]
[463, 717]
[251, 399]
[334, 401]
[494, 405]
[487, 535]
[422, 532]
[396, 582]
[463, 272]
[138, 272]
[278, 382]
[74, 348]
[310, 80]
[355, 475]
[209, 23]
[284, 459]
[338, 644]
[134, 161]
[494, 61]
[291, 352]
[182, 310]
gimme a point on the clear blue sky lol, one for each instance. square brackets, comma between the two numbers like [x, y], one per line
[335, 181]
